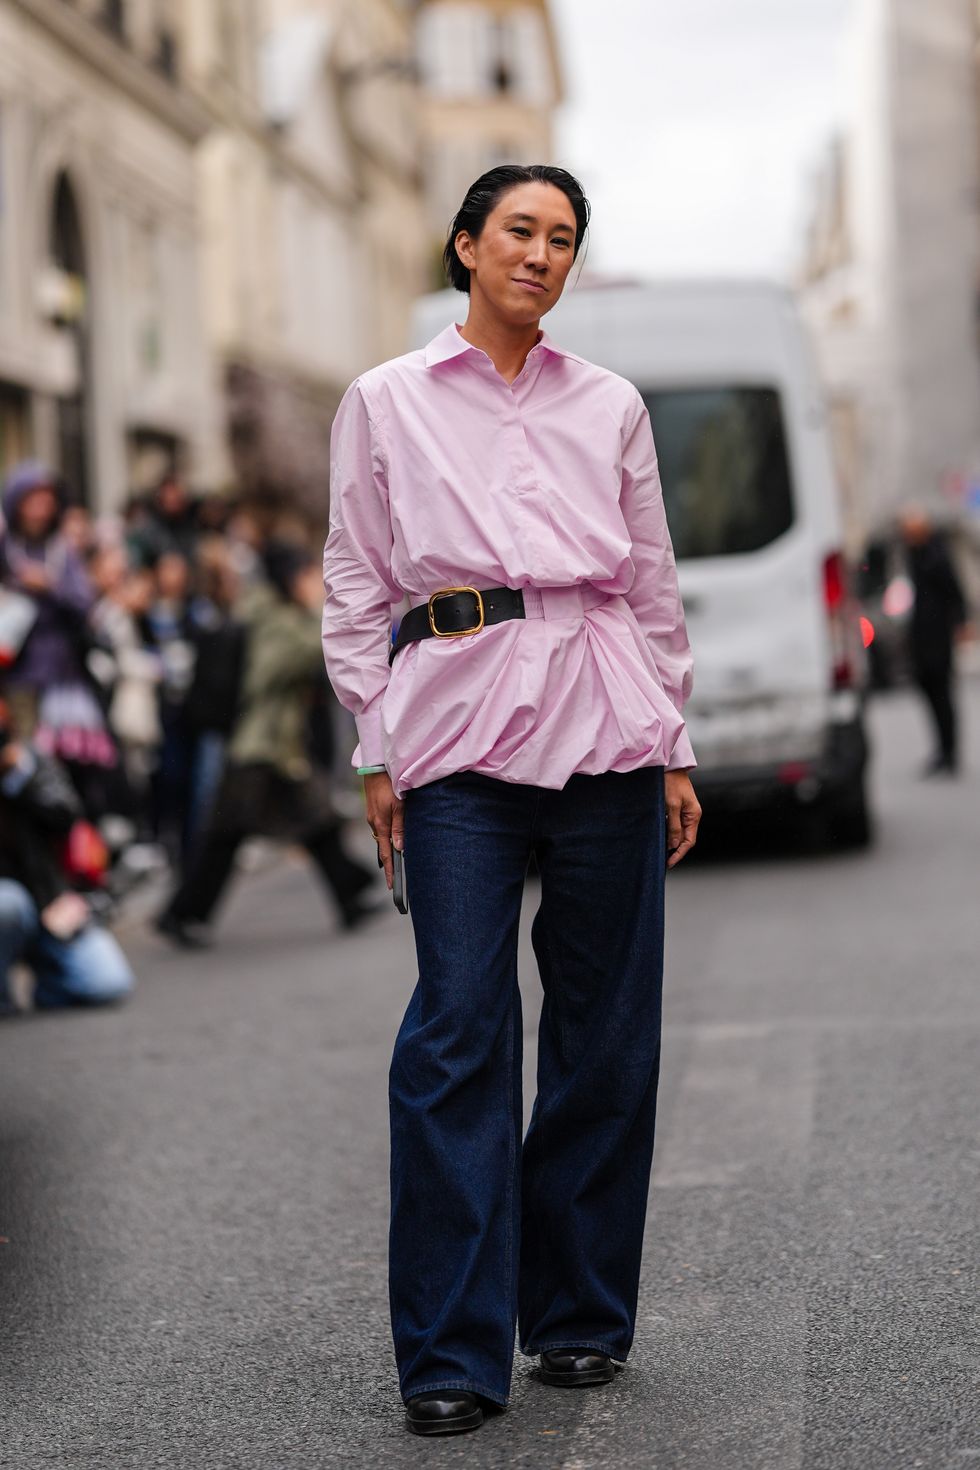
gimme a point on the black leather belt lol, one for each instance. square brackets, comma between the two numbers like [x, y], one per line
[456, 612]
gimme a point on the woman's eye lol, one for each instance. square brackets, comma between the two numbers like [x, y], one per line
[520, 230]
[559, 241]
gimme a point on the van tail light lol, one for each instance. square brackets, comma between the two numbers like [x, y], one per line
[843, 623]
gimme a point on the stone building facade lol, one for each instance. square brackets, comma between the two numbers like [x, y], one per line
[104, 365]
[491, 78]
[211, 219]
[892, 268]
[311, 200]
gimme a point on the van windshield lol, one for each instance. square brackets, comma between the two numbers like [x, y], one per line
[724, 468]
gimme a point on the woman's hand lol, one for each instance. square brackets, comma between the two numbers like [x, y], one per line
[66, 916]
[386, 818]
[33, 577]
[683, 816]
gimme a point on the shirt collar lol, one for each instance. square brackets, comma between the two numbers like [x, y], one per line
[449, 344]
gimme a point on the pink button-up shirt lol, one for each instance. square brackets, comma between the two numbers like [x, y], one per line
[443, 474]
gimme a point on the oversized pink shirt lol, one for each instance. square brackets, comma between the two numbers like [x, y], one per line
[443, 474]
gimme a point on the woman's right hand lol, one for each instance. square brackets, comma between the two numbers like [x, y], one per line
[386, 818]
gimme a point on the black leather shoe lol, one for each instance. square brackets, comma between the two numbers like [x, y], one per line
[443, 1411]
[575, 1367]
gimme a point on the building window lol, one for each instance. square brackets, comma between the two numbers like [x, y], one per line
[165, 57]
[456, 50]
[465, 51]
[501, 74]
[524, 44]
[114, 18]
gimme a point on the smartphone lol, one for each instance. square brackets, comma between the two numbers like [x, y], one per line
[398, 890]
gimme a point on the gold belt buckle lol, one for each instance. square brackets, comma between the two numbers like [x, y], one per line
[450, 592]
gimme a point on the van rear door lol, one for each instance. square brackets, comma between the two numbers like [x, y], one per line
[749, 574]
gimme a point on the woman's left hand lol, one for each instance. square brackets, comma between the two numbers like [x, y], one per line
[683, 816]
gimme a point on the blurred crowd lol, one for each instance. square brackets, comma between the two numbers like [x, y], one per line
[162, 699]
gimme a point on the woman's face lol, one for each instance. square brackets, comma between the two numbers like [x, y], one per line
[520, 261]
[37, 512]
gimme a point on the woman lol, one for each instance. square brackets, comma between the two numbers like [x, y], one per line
[51, 699]
[531, 714]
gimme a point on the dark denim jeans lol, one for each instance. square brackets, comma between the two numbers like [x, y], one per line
[487, 1232]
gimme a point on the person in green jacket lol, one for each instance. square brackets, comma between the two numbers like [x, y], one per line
[270, 787]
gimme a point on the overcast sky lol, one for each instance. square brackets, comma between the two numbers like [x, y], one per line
[695, 124]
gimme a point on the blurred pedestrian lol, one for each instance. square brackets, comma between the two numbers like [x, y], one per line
[132, 674]
[214, 697]
[166, 523]
[44, 924]
[938, 615]
[50, 694]
[211, 515]
[270, 787]
[77, 529]
[245, 539]
[169, 634]
[529, 707]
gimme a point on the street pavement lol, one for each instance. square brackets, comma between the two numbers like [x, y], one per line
[193, 1187]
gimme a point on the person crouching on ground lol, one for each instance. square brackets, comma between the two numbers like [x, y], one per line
[43, 923]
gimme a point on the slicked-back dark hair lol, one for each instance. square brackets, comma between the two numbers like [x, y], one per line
[483, 196]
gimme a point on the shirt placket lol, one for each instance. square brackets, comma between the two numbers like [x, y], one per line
[535, 527]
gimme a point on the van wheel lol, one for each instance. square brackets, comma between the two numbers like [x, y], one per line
[848, 819]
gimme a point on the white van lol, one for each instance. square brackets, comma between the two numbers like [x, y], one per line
[751, 500]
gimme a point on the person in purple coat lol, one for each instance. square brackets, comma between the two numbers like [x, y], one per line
[51, 699]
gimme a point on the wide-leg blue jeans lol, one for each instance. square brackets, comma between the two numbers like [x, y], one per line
[488, 1232]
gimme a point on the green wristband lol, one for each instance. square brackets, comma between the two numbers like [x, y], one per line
[370, 770]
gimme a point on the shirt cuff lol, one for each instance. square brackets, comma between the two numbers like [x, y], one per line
[682, 755]
[370, 751]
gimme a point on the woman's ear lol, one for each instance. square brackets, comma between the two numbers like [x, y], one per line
[464, 249]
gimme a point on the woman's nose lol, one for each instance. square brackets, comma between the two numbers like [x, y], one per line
[536, 254]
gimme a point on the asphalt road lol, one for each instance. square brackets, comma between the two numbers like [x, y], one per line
[193, 1188]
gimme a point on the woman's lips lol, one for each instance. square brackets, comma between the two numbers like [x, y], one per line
[529, 285]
